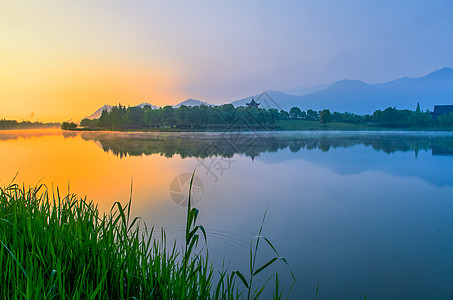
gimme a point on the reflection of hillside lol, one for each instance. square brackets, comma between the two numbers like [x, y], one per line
[205, 145]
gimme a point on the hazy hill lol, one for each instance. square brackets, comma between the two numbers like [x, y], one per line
[98, 112]
[359, 97]
[351, 95]
[191, 102]
[300, 91]
[141, 105]
[188, 102]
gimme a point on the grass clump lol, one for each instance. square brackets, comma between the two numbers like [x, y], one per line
[63, 248]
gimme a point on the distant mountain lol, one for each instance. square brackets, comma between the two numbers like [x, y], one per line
[350, 95]
[362, 98]
[188, 102]
[191, 102]
[141, 105]
[98, 113]
[300, 91]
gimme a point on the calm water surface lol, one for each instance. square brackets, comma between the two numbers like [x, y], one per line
[359, 212]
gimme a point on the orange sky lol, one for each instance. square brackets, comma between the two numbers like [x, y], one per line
[60, 62]
[74, 89]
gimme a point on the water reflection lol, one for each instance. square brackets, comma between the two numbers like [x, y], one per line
[202, 145]
[341, 210]
[7, 135]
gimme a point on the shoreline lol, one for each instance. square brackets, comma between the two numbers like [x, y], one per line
[327, 129]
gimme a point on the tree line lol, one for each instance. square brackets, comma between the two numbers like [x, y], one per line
[13, 124]
[227, 116]
[390, 117]
[184, 117]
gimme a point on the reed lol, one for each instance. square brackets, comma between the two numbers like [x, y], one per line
[54, 247]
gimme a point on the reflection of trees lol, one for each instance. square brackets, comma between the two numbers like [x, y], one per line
[226, 145]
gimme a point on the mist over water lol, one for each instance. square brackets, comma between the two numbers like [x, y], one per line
[362, 212]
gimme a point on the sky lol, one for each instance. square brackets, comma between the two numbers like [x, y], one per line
[62, 60]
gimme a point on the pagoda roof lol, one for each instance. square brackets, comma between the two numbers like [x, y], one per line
[253, 103]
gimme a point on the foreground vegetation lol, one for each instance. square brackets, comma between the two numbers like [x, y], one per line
[60, 248]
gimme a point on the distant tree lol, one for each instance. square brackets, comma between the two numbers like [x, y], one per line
[8, 124]
[312, 115]
[303, 115]
[419, 119]
[295, 113]
[182, 115]
[88, 123]
[347, 117]
[153, 118]
[325, 116]
[392, 117]
[168, 116]
[228, 112]
[135, 117]
[273, 114]
[68, 126]
[104, 120]
[445, 120]
[283, 115]
[367, 119]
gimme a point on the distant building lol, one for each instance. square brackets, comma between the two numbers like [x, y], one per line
[253, 103]
[441, 110]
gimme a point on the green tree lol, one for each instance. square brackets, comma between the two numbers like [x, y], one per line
[104, 119]
[87, 123]
[168, 116]
[312, 115]
[68, 126]
[182, 115]
[445, 120]
[284, 115]
[325, 116]
[295, 113]
[392, 117]
[228, 112]
[135, 117]
[420, 119]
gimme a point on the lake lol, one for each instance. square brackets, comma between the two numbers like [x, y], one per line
[358, 212]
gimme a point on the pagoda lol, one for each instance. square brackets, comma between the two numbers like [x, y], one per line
[253, 104]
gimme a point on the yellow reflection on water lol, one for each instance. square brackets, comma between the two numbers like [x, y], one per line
[51, 158]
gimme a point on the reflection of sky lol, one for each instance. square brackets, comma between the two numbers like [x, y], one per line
[373, 231]
[436, 170]
[356, 219]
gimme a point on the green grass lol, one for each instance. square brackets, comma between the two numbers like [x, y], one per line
[54, 247]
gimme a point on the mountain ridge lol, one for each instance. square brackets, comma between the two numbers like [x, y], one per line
[349, 95]
[359, 97]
